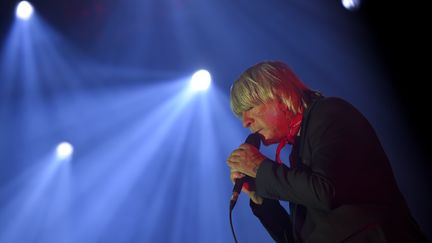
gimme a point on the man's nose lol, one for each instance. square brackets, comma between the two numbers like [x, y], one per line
[247, 120]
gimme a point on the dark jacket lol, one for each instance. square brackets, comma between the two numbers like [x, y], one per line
[342, 189]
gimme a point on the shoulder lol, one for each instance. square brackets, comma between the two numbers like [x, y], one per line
[335, 112]
[333, 102]
[332, 106]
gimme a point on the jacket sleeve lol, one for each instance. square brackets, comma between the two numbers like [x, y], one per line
[275, 219]
[300, 186]
[337, 139]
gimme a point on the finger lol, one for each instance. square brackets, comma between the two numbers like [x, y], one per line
[234, 170]
[234, 158]
[235, 163]
[238, 152]
[236, 175]
[246, 146]
[232, 164]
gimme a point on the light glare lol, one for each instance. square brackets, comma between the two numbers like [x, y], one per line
[200, 80]
[64, 150]
[351, 4]
[24, 10]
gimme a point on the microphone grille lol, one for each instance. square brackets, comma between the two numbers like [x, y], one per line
[254, 139]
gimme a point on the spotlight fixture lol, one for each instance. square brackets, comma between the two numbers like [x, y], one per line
[64, 150]
[24, 10]
[351, 4]
[200, 80]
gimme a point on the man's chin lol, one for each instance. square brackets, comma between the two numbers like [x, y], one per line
[267, 142]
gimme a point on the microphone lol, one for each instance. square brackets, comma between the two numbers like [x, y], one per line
[255, 140]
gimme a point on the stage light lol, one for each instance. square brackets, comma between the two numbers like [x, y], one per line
[24, 10]
[64, 150]
[200, 80]
[351, 4]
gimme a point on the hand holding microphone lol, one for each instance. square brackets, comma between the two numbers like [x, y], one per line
[244, 162]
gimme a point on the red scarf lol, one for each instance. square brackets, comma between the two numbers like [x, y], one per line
[294, 128]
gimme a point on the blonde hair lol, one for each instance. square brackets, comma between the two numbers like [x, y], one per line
[269, 80]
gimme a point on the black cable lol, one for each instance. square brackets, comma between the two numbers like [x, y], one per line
[253, 139]
[232, 228]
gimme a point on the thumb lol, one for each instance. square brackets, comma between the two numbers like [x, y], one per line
[255, 198]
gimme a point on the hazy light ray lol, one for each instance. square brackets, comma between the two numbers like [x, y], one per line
[113, 202]
[9, 60]
[27, 80]
[130, 102]
[209, 159]
[28, 44]
[189, 202]
[59, 61]
[57, 218]
[116, 189]
[13, 191]
[18, 60]
[28, 200]
[28, 61]
[65, 118]
[89, 105]
[172, 176]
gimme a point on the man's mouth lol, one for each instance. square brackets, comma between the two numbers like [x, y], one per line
[256, 131]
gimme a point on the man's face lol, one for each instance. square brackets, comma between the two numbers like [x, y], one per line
[270, 120]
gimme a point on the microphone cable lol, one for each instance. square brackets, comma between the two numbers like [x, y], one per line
[231, 224]
[255, 140]
[236, 192]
